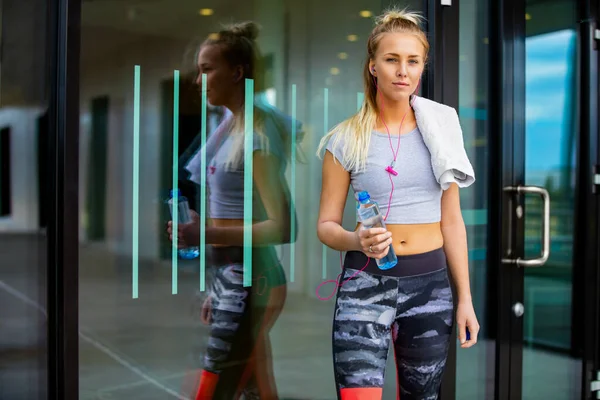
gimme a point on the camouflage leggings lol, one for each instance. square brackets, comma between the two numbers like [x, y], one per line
[416, 312]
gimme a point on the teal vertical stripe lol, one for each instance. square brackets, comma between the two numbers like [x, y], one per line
[360, 97]
[325, 130]
[175, 211]
[136, 183]
[203, 188]
[248, 150]
[293, 188]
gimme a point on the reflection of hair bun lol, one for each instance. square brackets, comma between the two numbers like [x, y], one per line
[249, 30]
[393, 15]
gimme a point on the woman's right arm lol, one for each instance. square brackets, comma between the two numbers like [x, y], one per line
[334, 191]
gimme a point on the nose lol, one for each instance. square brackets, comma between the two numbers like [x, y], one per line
[402, 70]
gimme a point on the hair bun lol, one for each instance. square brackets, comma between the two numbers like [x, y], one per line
[248, 30]
[399, 15]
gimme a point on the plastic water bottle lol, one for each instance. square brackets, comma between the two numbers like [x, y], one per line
[370, 217]
[183, 217]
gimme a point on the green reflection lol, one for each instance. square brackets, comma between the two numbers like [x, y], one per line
[136, 181]
[175, 168]
[293, 188]
[325, 129]
[203, 188]
[248, 147]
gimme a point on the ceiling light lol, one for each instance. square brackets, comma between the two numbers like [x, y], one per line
[527, 16]
[366, 14]
[205, 12]
[486, 40]
[213, 36]
[352, 38]
[334, 71]
[343, 56]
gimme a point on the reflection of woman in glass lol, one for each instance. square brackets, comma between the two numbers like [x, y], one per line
[238, 357]
[407, 153]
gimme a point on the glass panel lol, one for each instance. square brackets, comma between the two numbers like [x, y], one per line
[551, 131]
[475, 367]
[23, 175]
[143, 118]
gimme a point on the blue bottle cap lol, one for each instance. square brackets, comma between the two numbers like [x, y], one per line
[175, 191]
[363, 196]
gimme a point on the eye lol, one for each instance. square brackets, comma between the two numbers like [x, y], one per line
[391, 59]
[414, 61]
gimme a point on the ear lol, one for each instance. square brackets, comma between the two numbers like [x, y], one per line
[238, 73]
[372, 68]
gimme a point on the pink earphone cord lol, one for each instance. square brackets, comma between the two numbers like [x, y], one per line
[336, 280]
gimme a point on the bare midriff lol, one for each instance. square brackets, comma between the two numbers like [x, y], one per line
[410, 239]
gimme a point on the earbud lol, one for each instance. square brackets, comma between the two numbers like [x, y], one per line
[373, 69]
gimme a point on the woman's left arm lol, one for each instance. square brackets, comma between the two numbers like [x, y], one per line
[455, 247]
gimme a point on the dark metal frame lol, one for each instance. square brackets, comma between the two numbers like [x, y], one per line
[443, 28]
[62, 199]
[587, 228]
[507, 130]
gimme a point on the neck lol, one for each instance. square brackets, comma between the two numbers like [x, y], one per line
[236, 104]
[394, 111]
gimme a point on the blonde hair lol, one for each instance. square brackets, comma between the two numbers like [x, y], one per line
[357, 129]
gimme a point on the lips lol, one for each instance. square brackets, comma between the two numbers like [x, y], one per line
[401, 84]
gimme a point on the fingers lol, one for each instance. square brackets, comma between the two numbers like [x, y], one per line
[206, 311]
[470, 332]
[180, 234]
[367, 233]
[375, 242]
[462, 334]
[381, 243]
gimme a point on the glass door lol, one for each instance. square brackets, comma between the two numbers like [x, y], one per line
[548, 219]
[551, 367]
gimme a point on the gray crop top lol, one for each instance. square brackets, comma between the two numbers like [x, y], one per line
[226, 182]
[417, 194]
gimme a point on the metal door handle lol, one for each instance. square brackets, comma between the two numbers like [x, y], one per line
[534, 262]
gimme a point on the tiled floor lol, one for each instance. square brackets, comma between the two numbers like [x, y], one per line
[144, 348]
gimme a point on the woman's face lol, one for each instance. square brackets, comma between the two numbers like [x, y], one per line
[399, 63]
[221, 78]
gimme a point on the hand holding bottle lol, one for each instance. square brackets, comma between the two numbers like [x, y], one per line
[374, 242]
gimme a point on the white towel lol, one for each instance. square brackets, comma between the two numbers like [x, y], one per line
[441, 131]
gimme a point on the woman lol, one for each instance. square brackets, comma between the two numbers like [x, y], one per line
[238, 357]
[408, 153]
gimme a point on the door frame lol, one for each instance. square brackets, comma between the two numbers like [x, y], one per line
[64, 18]
[507, 143]
[440, 83]
[588, 197]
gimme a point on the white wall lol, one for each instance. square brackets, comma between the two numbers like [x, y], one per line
[23, 172]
